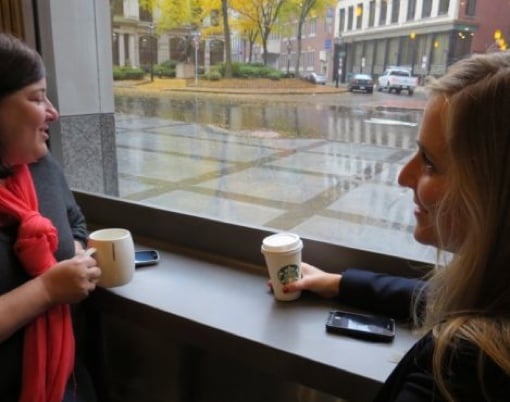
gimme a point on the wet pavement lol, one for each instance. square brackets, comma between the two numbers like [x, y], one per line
[322, 170]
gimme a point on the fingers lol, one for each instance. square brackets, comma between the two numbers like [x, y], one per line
[293, 287]
[88, 252]
[93, 274]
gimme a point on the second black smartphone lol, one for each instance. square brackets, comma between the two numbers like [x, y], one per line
[368, 327]
[146, 257]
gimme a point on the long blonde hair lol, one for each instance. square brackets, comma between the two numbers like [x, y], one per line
[469, 299]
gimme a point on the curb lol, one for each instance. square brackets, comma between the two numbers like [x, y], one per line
[268, 91]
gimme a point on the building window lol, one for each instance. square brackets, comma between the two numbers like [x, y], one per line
[312, 27]
[359, 15]
[411, 10]
[444, 5]
[395, 11]
[371, 13]
[350, 18]
[471, 8]
[341, 24]
[426, 9]
[118, 7]
[384, 10]
[145, 14]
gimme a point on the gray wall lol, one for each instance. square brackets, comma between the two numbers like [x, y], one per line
[75, 42]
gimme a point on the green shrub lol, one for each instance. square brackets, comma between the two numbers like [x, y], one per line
[163, 71]
[212, 76]
[275, 75]
[128, 73]
[243, 70]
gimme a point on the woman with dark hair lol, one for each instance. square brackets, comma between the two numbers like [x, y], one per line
[42, 237]
[460, 176]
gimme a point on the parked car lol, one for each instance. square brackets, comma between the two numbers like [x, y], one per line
[316, 78]
[361, 82]
[397, 79]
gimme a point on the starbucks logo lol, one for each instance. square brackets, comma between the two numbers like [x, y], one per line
[288, 273]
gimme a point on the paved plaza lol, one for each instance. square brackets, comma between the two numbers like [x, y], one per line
[338, 186]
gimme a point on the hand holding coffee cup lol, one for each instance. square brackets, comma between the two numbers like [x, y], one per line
[282, 252]
[115, 255]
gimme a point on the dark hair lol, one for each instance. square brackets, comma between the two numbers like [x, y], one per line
[20, 65]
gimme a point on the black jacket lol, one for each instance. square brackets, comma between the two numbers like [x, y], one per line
[412, 380]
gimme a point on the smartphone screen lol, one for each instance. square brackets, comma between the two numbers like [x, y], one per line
[146, 257]
[369, 327]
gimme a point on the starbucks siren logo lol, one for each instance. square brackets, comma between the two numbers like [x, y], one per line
[288, 273]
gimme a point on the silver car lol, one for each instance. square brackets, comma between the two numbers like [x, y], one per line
[316, 78]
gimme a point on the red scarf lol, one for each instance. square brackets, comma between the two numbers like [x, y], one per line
[48, 353]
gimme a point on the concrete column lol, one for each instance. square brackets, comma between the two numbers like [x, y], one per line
[207, 55]
[122, 53]
[134, 55]
[435, 8]
[418, 11]
[75, 38]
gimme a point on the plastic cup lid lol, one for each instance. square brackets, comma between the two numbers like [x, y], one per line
[281, 242]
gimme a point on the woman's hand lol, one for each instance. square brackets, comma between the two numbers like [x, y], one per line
[315, 280]
[70, 281]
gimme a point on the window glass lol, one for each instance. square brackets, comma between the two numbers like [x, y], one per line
[384, 10]
[395, 10]
[324, 169]
[471, 8]
[371, 13]
[443, 6]
[341, 24]
[359, 15]
[426, 8]
[411, 9]
[350, 17]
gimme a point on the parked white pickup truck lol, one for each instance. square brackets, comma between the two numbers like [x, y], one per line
[398, 80]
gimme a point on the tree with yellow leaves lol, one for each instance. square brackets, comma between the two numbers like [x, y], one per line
[261, 13]
[175, 13]
[301, 10]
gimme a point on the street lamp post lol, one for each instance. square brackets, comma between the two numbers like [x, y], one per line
[338, 61]
[196, 44]
[412, 37]
[289, 49]
[151, 50]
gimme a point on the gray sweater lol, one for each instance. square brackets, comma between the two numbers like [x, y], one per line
[56, 202]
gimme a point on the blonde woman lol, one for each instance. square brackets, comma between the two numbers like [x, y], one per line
[460, 176]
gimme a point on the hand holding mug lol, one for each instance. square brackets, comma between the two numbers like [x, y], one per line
[115, 255]
[70, 281]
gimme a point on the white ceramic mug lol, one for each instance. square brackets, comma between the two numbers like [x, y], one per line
[115, 255]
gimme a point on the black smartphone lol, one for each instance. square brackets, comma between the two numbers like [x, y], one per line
[146, 257]
[367, 327]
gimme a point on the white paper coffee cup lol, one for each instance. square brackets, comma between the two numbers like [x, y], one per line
[115, 255]
[282, 252]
